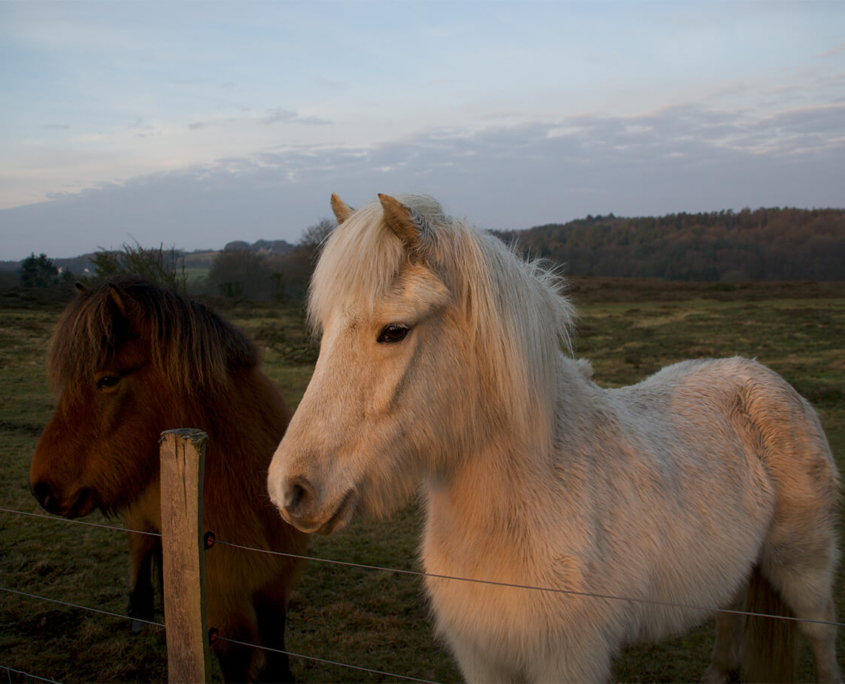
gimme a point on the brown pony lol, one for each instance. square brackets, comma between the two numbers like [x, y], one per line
[129, 360]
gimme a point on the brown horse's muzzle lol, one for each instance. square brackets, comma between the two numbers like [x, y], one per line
[78, 504]
[56, 475]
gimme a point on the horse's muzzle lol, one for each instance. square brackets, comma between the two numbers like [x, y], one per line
[301, 506]
[43, 492]
[82, 504]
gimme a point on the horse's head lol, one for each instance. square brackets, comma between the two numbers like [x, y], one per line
[419, 361]
[384, 318]
[128, 360]
[106, 415]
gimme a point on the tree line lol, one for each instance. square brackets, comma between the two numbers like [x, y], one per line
[259, 271]
[764, 244]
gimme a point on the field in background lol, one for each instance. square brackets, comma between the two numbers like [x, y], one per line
[375, 619]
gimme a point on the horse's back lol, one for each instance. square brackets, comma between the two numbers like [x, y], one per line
[763, 408]
[745, 415]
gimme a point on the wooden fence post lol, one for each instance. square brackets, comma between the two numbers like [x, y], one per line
[182, 456]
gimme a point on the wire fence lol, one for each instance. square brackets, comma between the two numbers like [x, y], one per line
[569, 592]
[80, 522]
[210, 541]
[10, 670]
[77, 606]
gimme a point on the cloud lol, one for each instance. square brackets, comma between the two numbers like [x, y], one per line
[685, 158]
[277, 115]
[270, 117]
[328, 82]
[833, 51]
[139, 124]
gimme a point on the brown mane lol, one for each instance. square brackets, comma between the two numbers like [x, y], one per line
[188, 343]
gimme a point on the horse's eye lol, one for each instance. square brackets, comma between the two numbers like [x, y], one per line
[393, 333]
[107, 382]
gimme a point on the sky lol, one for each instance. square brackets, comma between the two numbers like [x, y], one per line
[192, 124]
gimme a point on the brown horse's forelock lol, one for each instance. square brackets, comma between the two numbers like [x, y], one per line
[191, 346]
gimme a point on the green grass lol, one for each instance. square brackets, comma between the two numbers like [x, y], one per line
[374, 619]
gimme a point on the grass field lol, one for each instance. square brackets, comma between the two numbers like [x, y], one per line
[374, 619]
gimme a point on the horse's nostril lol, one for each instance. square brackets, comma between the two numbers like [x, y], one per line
[297, 492]
[44, 493]
[298, 495]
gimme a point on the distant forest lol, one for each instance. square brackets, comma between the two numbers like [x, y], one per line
[765, 244]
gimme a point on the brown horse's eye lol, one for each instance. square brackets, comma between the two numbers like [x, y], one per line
[393, 333]
[107, 382]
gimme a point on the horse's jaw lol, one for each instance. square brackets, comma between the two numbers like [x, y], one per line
[84, 504]
[342, 515]
[338, 521]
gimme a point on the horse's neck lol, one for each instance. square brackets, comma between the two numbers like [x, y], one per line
[502, 495]
[244, 428]
[247, 424]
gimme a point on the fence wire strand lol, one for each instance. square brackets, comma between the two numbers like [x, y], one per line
[56, 518]
[328, 662]
[569, 592]
[77, 606]
[25, 674]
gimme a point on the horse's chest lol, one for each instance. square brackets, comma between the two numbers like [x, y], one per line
[484, 613]
[496, 603]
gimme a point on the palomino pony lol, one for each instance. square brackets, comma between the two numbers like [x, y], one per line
[441, 366]
[130, 360]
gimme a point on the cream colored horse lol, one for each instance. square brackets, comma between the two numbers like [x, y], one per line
[441, 366]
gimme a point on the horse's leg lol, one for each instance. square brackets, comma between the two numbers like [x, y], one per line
[141, 593]
[237, 622]
[822, 640]
[726, 649]
[583, 656]
[799, 561]
[799, 555]
[270, 608]
[144, 551]
[477, 666]
[562, 667]
[229, 609]
[808, 593]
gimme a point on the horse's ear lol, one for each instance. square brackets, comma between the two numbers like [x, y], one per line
[118, 298]
[406, 224]
[342, 211]
[80, 287]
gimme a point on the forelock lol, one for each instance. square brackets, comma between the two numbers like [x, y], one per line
[362, 257]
